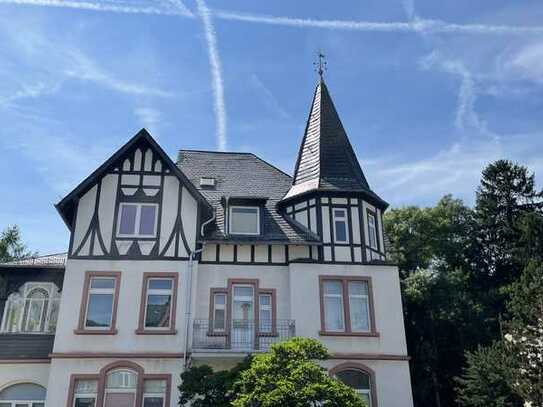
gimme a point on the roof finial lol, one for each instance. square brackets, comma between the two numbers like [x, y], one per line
[321, 65]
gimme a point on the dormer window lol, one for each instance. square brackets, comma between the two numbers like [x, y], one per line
[244, 220]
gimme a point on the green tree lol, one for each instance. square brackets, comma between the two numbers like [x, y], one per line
[507, 194]
[289, 376]
[201, 387]
[487, 378]
[11, 245]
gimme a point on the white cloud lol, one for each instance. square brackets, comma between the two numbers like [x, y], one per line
[216, 73]
[528, 62]
[116, 7]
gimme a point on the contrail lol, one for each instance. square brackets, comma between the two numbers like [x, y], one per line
[216, 73]
[419, 25]
[100, 6]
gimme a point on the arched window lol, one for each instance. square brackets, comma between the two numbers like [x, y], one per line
[34, 309]
[121, 388]
[360, 378]
[23, 395]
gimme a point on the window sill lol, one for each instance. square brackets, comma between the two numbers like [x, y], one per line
[354, 334]
[95, 332]
[155, 332]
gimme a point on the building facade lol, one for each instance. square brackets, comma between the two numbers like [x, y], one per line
[203, 261]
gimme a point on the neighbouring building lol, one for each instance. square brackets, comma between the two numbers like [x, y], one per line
[202, 262]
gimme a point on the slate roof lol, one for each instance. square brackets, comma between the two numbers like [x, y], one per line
[57, 260]
[248, 176]
[326, 160]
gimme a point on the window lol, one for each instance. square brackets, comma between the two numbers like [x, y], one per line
[99, 307]
[154, 393]
[85, 392]
[359, 306]
[157, 313]
[244, 220]
[137, 220]
[219, 312]
[265, 313]
[100, 303]
[347, 306]
[372, 231]
[340, 225]
[333, 306]
[121, 387]
[23, 395]
[34, 308]
[358, 380]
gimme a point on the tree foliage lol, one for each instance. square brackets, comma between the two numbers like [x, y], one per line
[201, 387]
[289, 376]
[11, 245]
[457, 265]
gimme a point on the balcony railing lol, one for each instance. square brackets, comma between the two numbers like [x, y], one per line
[240, 335]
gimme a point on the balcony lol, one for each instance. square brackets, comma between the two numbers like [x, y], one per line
[241, 336]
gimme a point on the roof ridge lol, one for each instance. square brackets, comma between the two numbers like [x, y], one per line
[216, 152]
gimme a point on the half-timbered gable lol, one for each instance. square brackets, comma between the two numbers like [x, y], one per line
[137, 205]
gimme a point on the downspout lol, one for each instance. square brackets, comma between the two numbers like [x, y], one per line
[189, 288]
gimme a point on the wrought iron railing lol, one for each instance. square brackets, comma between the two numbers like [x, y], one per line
[240, 335]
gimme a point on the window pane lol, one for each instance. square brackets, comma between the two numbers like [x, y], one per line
[160, 284]
[220, 299]
[359, 314]
[38, 404]
[333, 287]
[265, 300]
[128, 219]
[86, 386]
[355, 379]
[99, 310]
[85, 402]
[265, 320]
[153, 402]
[34, 315]
[358, 288]
[333, 314]
[122, 379]
[158, 311]
[102, 283]
[218, 322]
[155, 386]
[147, 220]
[341, 231]
[339, 213]
[243, 291]
[244, 220]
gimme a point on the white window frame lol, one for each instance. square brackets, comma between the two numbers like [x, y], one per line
[218, 307]
[342, 302]
[344, 219]
[159, 291]
[363, 296]
[137, 220]
[372, 227]
[230, 217]
[85, 396]
[28, 403]
[91, 291]
[44, 307]
[152, 395]
[268, 307]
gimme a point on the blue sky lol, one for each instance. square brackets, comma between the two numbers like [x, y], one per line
[429, 92]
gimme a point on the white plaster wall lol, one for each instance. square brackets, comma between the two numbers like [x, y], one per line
[128, 308]
[305, 307]
[392, 380]
[62, 369]
[217, 275]
[36, 373]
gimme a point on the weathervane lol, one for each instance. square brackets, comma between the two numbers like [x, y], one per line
[321, 65]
